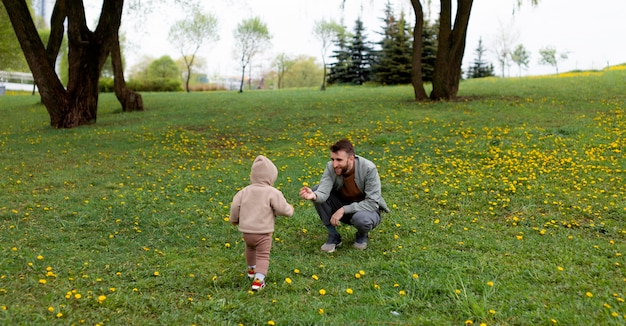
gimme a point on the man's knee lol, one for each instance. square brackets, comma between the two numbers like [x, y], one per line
[365, 221]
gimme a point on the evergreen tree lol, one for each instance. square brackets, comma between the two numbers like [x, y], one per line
[394, 61]
[480, 68]
[361, 59]
[339, 68]
[429, 50]
[393, 64]
[354, 59]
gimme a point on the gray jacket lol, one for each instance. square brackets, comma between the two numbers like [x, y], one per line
[366, 178]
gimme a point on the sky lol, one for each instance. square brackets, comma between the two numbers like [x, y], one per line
[590, 35]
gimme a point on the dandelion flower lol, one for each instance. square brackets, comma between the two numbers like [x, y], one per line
[59, 315]
[322, 292]
[51, 309]
[349, 291]
[415, 276]
[40, 257]
[489, 283]
[357, 275]
[288, 280]
[320, 311]
[297, 271]
[271, 322]
[156, 273]
[402, 293]
[589, 294]
[314, 277]
[42, 281]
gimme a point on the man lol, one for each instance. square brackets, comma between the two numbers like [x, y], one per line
[349, 192]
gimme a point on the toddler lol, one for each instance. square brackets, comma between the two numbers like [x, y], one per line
[254, 210]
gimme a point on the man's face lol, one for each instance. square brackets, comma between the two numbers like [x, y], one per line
[342, 163]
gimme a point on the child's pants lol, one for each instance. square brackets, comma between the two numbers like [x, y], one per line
[258, 248]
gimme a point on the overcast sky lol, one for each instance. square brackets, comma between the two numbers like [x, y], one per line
[592, 35]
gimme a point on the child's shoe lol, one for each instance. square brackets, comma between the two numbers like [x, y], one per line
[257, 284]
[251, 273]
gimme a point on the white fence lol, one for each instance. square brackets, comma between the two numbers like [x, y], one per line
[15, 81]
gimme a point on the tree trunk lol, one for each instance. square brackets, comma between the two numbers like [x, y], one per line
[130, 100]
[450, 50]
[78, 104]
[416, 66]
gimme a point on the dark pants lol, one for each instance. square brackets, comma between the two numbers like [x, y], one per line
[363, 221]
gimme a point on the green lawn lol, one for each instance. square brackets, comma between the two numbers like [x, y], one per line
[508, 208]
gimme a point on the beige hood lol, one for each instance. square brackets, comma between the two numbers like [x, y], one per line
[263, 171]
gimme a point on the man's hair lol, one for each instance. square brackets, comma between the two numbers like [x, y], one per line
[343, 145]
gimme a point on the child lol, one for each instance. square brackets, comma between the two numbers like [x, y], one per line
[254, 209]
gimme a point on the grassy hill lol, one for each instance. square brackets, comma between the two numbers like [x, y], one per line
[508, 208]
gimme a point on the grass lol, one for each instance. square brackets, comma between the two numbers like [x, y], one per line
[508, 208]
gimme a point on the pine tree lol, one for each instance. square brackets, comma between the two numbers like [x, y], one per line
[480, 68]
[393, 64]
[394, 61]
[338, 69]
[354, 59]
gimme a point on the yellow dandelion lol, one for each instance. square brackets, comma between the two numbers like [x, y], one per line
[322, 292]
[559, 268]
[42, 281]
[227, 245]
[491, 311]
[288, 280]
[553, 321]
[457, 291]
[40, 257]
[349, 291]
[357, 275]
[156, 273]
[402, 293]
[415, 275]
[489, 283]
[362, 272]
[314, 277]
[51, 309]
[101, 298]
[78, 296]
[306, 184]
[589, 294]
[297, 271]
[469, 322]
[59, 315]
[320, 311]
[271, 322]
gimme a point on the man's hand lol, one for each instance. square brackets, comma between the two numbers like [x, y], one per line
[334, 220]
[307, 193]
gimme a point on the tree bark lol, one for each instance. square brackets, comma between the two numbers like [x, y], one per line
[78, 103]
[416, 67]
[130, 100]
[450, 49]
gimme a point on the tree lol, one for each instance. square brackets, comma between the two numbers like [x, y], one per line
[393, 65]
[450, 48]
[354, 59]
[548, 56]
[189, 35]
[11, 57]
[339, 69]
[303, 72]
[88, 51]
[520, 57]
[503, 42]
[326, 31]
[282, 63]
[251, 38]
[361, 58]
[480, 68]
